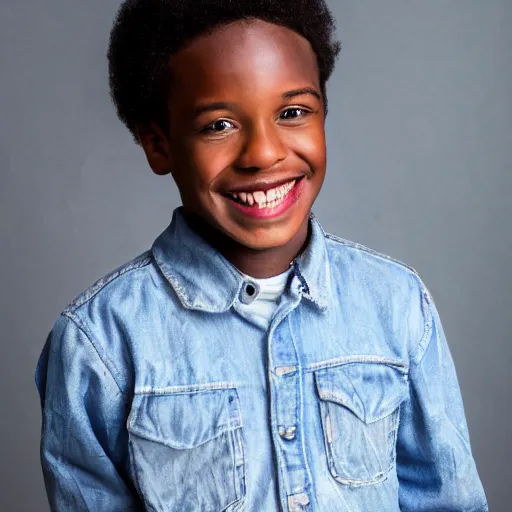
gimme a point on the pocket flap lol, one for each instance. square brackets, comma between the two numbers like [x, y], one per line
[185, 419]
[370, 390]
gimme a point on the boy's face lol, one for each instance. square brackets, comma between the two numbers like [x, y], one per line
[246, 143]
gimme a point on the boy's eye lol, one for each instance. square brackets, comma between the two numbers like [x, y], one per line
[218, 126]
[294, 113]
[222, 125]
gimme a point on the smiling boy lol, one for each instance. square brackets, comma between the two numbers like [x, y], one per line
[248, 361]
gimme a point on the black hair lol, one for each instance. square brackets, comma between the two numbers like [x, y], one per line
[146, 32]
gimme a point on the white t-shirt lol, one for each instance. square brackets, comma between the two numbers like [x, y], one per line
[267, 300]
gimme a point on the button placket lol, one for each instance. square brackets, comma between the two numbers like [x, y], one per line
[286, 380]
[287, 405]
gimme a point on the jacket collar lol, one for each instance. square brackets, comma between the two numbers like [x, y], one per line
[204, 280]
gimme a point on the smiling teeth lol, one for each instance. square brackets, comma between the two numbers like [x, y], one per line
[259, 197]
[270, 199]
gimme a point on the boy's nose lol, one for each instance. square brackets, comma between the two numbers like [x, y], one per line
[262, 149]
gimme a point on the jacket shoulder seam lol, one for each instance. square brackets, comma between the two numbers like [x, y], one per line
[107, 363]
[426, 298]
[360, 247]
[424, 342]
[137, 263]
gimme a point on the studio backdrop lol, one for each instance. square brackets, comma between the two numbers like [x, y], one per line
[419, 137]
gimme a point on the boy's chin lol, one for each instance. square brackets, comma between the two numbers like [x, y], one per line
[272, 236]
[262, 244]
[264, 239]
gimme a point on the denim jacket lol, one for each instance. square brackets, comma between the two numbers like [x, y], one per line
[161, 392]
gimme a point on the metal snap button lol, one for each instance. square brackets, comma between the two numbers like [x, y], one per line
[287, 433]
[298, 502]
[250, 291]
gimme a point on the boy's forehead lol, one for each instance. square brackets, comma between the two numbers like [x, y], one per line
[251, 54]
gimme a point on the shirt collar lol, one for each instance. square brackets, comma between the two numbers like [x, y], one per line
[204, 280]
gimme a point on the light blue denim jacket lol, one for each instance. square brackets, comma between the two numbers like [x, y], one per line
[160, 392]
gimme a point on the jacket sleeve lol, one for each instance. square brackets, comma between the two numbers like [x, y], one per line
[435, 466]
[83, 436]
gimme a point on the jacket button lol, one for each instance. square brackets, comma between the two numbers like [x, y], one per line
[249, 292]
[287, 433]
[298, 502]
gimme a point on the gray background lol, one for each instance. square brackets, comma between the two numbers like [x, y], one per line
[420, 167]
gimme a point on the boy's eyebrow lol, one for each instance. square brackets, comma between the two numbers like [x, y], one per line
[300, 92]
[222, 105]
[210, 107]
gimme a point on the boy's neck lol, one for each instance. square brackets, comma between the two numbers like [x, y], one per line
[255, 263]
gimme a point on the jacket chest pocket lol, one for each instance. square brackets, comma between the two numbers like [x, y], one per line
[359, 407]
[186, 450]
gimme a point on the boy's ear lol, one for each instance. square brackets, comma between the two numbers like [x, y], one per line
[156, 146]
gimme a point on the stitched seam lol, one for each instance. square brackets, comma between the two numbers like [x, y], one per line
[372, 252]
[360, 359]
[192, 388]
[426, 297]
[79, 325]
[230, 425]
[426, 337]
[139, 262]
[301, 401]
[351, 482]
[328, 396]
[184, 297]
[220, 431]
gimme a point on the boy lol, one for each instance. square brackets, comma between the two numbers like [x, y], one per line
[248, 361]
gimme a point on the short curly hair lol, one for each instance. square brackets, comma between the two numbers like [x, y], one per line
[146, 32]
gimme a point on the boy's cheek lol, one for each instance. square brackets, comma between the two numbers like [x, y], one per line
[310, 147]
[207, 164]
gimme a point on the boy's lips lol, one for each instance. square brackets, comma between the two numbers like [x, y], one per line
[267, 200]
[263, 185]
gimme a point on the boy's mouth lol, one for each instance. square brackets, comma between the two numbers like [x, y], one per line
[269, 202]
[263, 199]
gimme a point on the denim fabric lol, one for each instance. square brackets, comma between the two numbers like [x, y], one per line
[160, 392]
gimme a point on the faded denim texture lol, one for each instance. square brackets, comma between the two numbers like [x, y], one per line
[160, 392]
